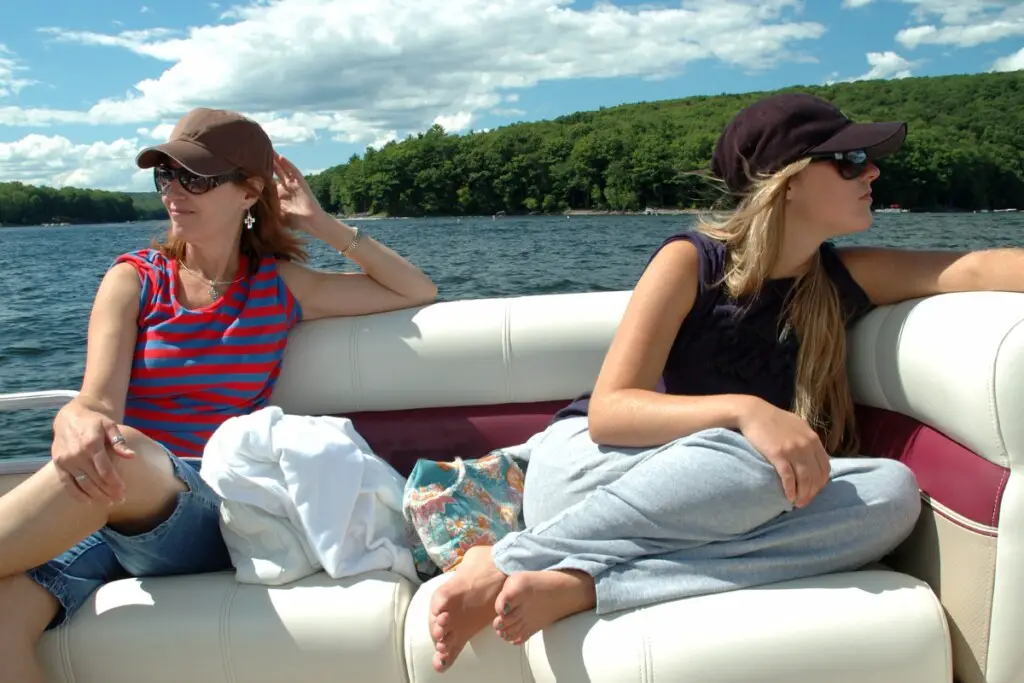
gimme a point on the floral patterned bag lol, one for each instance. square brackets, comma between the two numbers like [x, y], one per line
[453, 506]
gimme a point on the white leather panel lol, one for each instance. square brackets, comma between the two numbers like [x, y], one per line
[876, 626]
[953, 362]
[1006, 643]
[212, 629]
[470, 352]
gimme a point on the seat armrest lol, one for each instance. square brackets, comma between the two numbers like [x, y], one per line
[938, 383]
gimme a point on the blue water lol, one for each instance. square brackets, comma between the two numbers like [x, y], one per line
[48, 276]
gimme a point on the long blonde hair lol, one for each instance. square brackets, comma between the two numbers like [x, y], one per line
[753, 235]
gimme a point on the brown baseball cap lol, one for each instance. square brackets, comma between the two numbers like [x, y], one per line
[780, 129]
[212, 142]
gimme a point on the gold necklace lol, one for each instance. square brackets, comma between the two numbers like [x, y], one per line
[213, 291]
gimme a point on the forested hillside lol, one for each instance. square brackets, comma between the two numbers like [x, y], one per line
[965, 150]
[22, 204]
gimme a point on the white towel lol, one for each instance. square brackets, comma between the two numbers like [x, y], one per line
[303, 493]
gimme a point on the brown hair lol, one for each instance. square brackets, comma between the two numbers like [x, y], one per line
[267, 237]
[753, 235]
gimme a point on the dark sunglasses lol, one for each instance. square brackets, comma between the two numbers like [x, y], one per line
[851, 165]
[163, 176]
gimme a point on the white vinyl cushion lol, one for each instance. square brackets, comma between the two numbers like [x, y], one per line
[876, 626]
[212, 629]
[954, 362]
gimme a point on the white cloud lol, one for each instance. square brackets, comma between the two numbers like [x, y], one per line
[359, 71]
[10, 83]
[963, 23]
[1014, 62]
[160, 133]
[887, 65]
[854, 4]
[56, 161]
[884, 65]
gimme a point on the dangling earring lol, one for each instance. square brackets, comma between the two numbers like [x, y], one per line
[249, 220]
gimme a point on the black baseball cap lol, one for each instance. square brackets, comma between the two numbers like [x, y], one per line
[211, 142]
[780, 129]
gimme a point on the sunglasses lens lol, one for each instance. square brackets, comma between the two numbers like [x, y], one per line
[851, 169]
[162, 177]
[191, 182]
[852, 164]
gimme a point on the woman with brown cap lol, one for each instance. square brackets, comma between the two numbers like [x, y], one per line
[701, 460]
[182, 337]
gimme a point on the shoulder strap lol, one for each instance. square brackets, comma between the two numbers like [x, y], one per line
[711, 255]
[852, 297]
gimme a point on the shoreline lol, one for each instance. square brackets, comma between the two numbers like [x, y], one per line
[568, 214]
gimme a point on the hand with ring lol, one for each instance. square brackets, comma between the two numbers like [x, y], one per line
[83, 441]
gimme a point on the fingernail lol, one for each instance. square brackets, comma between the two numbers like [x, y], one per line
[500, 626]
[506, 608]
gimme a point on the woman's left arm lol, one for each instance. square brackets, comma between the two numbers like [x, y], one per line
[889, 275]
[387, 282]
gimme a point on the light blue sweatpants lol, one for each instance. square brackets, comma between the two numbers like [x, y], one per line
[702, 514]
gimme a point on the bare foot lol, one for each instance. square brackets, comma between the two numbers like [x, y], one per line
[464, 605]
[531, 601]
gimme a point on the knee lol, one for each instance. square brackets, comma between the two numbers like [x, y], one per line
[150, 485]
[895, 496]
[151, 459]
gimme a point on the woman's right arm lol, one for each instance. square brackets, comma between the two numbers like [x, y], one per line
[625, 410]
[86, 426]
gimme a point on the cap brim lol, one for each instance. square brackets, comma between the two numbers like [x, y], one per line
[877, 139]
[193, 157]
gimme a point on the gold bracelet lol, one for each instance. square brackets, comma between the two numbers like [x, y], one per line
[353, 244]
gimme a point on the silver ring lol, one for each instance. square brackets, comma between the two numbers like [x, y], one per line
[117, 439]
[81, 477]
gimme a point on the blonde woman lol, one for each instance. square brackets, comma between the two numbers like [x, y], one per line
[723, 479]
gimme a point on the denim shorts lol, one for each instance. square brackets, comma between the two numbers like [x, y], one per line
[187, 542]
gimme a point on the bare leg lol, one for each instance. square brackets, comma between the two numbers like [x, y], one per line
[25, 611]
[39, 520]
[464, 605]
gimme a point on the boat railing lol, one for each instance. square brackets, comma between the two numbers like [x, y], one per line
[22, 400]
[27, 400]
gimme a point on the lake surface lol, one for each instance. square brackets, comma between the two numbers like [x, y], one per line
[48, 276]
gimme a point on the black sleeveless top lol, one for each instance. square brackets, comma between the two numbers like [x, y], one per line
[725, 346]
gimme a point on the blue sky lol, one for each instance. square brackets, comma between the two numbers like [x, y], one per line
[83, 86]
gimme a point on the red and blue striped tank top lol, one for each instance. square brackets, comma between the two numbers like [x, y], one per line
[195, 368]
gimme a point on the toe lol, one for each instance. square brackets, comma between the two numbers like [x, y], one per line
[439, 602]
[512, 634]
[511, 619]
